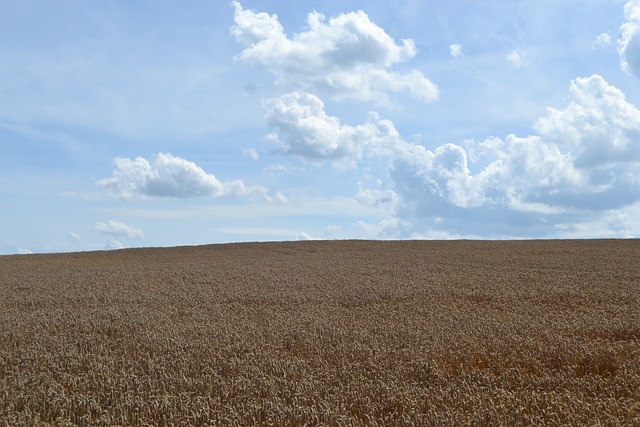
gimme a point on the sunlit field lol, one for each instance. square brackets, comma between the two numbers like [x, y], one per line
[335, 333]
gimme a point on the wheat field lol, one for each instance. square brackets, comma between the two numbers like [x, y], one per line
[332, 333]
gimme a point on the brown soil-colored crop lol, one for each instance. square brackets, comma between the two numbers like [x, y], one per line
[324, 333]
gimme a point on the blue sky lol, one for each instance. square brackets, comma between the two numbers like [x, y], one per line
[162, 123]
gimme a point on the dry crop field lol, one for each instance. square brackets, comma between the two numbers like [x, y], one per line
[335, 333]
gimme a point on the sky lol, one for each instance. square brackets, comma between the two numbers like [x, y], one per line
[166, 123]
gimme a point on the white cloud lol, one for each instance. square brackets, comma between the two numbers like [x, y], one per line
[456, 50]
[435, 179]
[599, 127]
[119, 229]
[169, 176]
[619, 223]
[629, 41]
[115, 244]
[584, 161]
[515, 58]
[304, 236]
[306, 130]
[603, 39]
[377, 197]
[250, 153]
[278, 197]
[586, 156]
[347, 57]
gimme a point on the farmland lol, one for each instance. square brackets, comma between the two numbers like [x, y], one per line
[324, 333]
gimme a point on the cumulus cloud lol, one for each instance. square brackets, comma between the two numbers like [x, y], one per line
[599, 127]
[119, 229]
[629, 41]
[456, 50]
[347, 57]
[170, 177]
[585, 159]
[306, 130]
[582, 161]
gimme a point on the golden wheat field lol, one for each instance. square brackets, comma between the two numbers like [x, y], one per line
[334, 333]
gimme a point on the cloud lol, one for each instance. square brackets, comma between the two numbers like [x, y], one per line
[456, 50]
[169, 177]
[584, 161]
[515, 58]
[347, 57]
[304, 236]
[115, 244]
[250, 153]
[629, 41]
[278, 198]
[119, 229]
[603, 39]
[306, 130]
[377, 197]
[599, 127]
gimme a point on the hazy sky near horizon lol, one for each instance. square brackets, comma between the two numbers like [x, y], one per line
[162, 123]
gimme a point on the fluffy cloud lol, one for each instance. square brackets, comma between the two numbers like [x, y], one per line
[585, 159]
[306, 130]
[603, 39]
[346, 57]
[456, 50]
[119, 229]
[582, 164]
[169, 176]
[629, 41]
[599, 127]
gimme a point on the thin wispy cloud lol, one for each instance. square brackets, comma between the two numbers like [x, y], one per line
[515, 58]
[603, 39]
[119, 229]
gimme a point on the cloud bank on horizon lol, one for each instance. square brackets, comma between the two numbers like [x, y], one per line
[347, 128]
